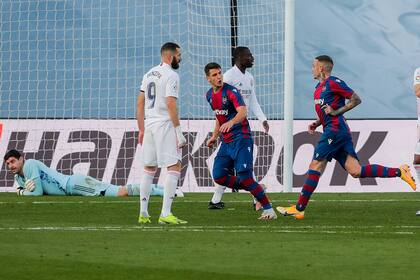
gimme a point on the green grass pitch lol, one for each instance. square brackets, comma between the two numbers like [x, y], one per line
[343, 236]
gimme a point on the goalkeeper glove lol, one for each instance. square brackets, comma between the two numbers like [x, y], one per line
[181, 139]
[19, 191]
[30, 185]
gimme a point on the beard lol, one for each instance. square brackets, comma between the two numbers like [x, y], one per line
[174, 63]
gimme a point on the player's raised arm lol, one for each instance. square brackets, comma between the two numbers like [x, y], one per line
[140, 115]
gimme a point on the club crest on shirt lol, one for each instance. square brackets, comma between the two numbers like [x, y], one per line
[324, 88]
[224, 100]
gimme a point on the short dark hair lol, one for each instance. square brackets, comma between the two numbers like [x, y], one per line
[169, 46]
[324, 58]
[238, 51]
[211, 65]
[12, 153]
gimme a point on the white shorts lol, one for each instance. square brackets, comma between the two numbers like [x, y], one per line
[160, 147]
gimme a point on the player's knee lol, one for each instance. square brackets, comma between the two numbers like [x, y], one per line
[176, 167]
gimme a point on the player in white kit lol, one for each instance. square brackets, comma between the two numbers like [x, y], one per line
[416, 162]
[238, 77]
[160, 132]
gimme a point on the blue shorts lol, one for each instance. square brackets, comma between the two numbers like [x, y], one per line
[335, 145]
[236, 155]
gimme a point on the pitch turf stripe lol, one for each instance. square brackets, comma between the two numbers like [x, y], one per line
[230, 229]
[206, 201]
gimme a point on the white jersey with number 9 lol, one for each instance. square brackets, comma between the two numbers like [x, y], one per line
[160, 82]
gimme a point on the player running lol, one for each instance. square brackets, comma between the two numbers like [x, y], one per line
[160, 131]
[34, 178]
[240, 78]
[236, 150]
[336, 142]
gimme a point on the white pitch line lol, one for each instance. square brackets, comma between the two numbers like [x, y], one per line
[230, 229]
[204, 201]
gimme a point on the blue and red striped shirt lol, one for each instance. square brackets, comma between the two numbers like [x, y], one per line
[332, 91]
[224, 104]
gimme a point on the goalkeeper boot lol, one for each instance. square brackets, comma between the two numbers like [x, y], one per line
[291, 211]
[218, 205]
[144, 220]
[268, 214]
[171, 220]
[407, 177]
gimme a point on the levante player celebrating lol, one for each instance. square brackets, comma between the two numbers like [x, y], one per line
[236, 150]
[330, 95]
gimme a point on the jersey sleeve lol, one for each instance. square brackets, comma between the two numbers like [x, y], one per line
[172, 86]
[235, 97]
[416, 79]
[38, 191]
[143, 84]
[255, 105]
[341, 88]
[31, 172]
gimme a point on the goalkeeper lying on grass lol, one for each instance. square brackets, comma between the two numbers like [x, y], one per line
[35, 178]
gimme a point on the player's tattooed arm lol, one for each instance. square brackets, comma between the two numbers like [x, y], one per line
[353, 102]
[312, 127]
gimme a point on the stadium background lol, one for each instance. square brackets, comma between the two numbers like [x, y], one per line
[375, 47]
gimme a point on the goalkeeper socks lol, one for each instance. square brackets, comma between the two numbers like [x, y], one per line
[218, 193]
[169, 192]
[308, 188]
[375, 170]
[146, 182]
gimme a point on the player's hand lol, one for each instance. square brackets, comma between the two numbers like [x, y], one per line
[141, 136]
[29, 185]
[226, 127]
[328, 110]
[312, 127]
[211, 142]
[181, 139]
[266, 126]
[19, 191]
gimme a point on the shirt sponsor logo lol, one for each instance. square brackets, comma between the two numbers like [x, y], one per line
[319, 101]
[221, 112]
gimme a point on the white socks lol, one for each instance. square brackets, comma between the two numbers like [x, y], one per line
[145, 189]
[218, 193]
[171, 183]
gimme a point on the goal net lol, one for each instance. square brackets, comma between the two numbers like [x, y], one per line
[71, 72]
